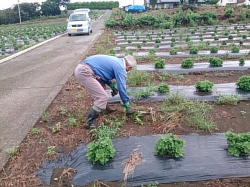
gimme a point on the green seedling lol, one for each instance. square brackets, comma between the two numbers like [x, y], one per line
[12, 151]
[35, 131]
[56, 128]
[243, 112]
[51, 150]
[72, 122]
[45, 116]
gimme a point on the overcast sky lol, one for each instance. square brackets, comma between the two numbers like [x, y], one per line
[8, 3]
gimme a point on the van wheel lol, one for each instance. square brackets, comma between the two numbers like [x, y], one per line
[69, 34]
[91, 31]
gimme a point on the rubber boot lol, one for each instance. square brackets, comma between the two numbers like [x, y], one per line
[110, 109]
[90, 123]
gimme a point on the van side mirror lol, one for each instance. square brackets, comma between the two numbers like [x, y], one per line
[89, 19]
[67, 20]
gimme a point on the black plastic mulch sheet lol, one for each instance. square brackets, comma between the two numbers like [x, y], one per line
[205, 158]
[186, 54]
[185, 91]
[177, 69]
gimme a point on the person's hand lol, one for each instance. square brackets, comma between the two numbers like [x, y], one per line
[129, 109]
[114, 92]
[114, 89]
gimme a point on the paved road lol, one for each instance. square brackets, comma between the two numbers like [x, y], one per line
[30, 82]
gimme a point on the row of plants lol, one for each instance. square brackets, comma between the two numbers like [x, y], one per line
[102, 150]
[167, 21]
[193, 48]
[19, 37]
[221, 30]
[205, 34]
[150, 39]
[204, 86]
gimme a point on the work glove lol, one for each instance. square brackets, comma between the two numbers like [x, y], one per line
[129, 109]
[114, 89]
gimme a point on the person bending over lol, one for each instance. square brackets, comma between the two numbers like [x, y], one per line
[97, 71]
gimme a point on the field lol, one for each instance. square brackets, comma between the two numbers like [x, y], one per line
[217, 53]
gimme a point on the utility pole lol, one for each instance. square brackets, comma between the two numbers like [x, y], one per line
[133, 2]
[19, 11]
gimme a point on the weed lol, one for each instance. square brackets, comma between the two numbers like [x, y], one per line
[45, 116]
[242, 112]
[175, 98]
[109, 129]
[12, 151]
[79, 97]
[63, 110]
[79, 116]
[222, 74]
[163, 75]
[111, 52]
[143, 93]
[35, 131]
[136, 77]
[198, 114]
[99, 49]
[176, 76]
[137, 117]
[155, 184]
[56, 128]
[72, 121]
[51, 150]
[231, 99]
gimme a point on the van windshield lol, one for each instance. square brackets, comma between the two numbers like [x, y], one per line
[77, 17]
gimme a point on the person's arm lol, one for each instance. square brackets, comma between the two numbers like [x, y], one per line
[121, 85]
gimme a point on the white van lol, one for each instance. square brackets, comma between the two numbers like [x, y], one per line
[79, 22]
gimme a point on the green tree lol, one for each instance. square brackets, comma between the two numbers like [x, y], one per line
[28, 10]
[153, 3]
[50, 8]
[212, 2]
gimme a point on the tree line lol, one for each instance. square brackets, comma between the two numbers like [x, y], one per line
[31, 11]
[102, 5]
